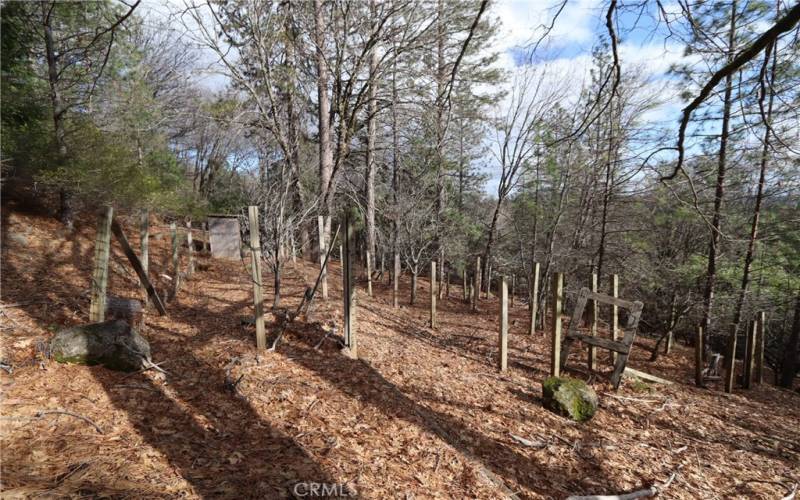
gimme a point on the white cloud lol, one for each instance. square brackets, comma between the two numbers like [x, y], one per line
[524, 21]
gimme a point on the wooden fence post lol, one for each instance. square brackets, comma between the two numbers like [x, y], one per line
[730, 361]
[477, 287]
[369, 273]
[447, 283]
[102, 251]
[558, 297]
[513, 290]
[190, 244]
[176, 260]
[488, 281]
[534, 298]
[349, 288]
[593, 327]
[440, 289]
[396, 282]
[323, 249]
[434, 293]
[465, 286]
[255, 269]
[761, 319]
[698, 358]
[614, 315]
[750, 354]
[503, 325]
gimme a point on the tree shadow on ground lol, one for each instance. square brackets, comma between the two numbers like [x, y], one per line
[357, 379]
[212, 438]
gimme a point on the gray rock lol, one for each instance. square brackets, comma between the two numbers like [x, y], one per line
[113, 344]
[569, 397]
[18, 238]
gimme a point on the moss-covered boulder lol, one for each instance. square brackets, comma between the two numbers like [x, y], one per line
[113, 344]
[569, 397]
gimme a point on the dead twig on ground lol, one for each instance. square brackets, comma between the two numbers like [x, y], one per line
[527, 442]
[149, 365]
[645, 492]
[43, 413]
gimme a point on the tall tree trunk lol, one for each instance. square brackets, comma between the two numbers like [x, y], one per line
[714, 240]
[395, 162]
[751, 245]
[607, 188]
[293, 130]
[535, 236]
[713, 244]
[372, 110]
[325, 151]
[441, 82]
[66, 211]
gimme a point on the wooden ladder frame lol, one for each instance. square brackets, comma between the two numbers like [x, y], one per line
[622, 348]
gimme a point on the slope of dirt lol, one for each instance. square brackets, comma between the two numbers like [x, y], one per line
[421, 414]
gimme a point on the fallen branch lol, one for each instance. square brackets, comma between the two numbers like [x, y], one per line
[646, 492]
[308, 297]
[630, 372]
[43, 413]
[330, 332]
[527, 442]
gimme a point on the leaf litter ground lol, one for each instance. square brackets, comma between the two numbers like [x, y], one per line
[421, 414]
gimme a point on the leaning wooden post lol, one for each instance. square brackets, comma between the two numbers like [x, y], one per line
[190, 244]
[503, 364]
[176, 260]
[592, 360]
[750, 355]
[730, 361]
[137, 267]
[477, 287]
[323, 250]
[144, 245]
[698, 358]
[761, 319]
[102, 251]
[369, 273]
[434, 293]
[534, 303]
[558, 297]
[349, 288]
[465, 286]
[614, 315]
[255, 269]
